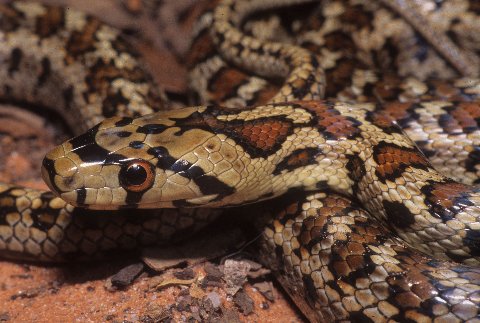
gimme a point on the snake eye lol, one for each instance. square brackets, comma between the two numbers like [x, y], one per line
[137, 176]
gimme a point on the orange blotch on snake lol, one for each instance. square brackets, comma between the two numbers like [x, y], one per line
[392, 160]
[332, 124]
[446, 194]
[264, 134]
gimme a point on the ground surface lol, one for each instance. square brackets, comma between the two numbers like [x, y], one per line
[79, 293]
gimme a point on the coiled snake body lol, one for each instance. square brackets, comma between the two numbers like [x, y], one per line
[350, 182]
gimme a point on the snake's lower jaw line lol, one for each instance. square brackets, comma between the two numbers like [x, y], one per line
[204, 200]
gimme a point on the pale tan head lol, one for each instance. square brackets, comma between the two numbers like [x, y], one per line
[149, 162]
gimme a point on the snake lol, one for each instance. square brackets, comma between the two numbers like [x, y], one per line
[362, 219]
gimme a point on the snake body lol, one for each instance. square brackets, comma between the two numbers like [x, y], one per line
[360, 214]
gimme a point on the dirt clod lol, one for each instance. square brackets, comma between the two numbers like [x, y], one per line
[235, 275]
[215, 299]
[243, 302]
[127, 275]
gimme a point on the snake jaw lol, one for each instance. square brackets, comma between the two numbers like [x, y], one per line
[202, 200]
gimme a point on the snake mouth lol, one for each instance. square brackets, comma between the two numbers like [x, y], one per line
[94, 199]
[87, 199]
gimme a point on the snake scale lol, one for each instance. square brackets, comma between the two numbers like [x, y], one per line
[361, 226]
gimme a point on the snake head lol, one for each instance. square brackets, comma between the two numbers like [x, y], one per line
[166, 159]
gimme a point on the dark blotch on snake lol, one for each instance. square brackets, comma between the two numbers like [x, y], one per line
[472, 240]
[310, 289]
[136, 144]
[133, 198]
[300, 93]
[7, 206]
[68, 96]
[359, 317]
[180, 166]
[15, 58]
[86, 139]
[207, 184]
[356, 171]
[296, 159]
[423, 144]
[111, 104]
[46, 71]
[123, 134]
[398, 214]
[165, 161]
[151, 129]
[81, 196]
[125, 121]
[182, 203]
[473, 161]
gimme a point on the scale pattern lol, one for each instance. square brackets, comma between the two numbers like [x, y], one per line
[394, 256]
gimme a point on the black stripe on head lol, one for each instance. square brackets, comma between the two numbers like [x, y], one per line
[165, 161]
[49, 165]
[207, 184]
[151, 129]
[87, 149]
[133, 199]
[125, 121]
